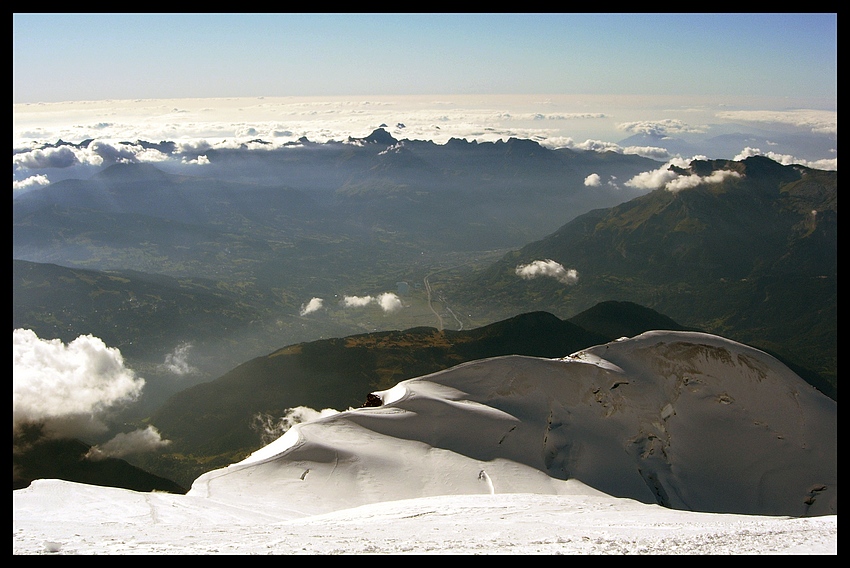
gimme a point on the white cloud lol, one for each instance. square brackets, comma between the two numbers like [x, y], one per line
[119, 152]
[389, 302]
[686, 182]
[660, 127]
[596, 146]
[61, 157]
[313, 305]
[68, 388]
[357, 301]
[787, 160]
[657, 178]
[31, 182]
[674, 181]
[548, 268]
[818, 121]
[136, 442]
[177, 361]
[200, 160]
[592, 180]
[651, 152]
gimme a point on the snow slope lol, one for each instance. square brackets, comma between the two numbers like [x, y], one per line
[688, 420]
[509, 454]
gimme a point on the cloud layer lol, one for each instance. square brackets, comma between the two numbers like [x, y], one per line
[194, 126]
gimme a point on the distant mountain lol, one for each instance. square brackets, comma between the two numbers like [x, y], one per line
[218, 418]
[264, 231]
[752, 258]
[65, 459]
[438, 195]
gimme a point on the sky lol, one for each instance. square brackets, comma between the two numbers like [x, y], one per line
[70, 57]
[507, 455]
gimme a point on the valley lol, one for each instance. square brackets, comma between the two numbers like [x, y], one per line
[289, 252]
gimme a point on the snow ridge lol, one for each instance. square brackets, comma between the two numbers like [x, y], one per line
[686, 420]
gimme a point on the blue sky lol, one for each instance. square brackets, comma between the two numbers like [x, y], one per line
[66, 57]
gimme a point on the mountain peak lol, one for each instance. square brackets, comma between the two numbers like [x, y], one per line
[378, 136]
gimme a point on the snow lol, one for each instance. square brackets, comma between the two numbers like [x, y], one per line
[509, 455]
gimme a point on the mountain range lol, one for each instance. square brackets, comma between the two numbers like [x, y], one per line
[225, 263]
[267, 230]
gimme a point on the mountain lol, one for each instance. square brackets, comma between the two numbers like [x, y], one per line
[685, 420]
[66, 459]
[222, 420]
[752, 257]
[272, 228]
[614, 319]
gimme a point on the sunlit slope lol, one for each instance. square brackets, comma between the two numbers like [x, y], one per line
[688, 420]
[752, 258]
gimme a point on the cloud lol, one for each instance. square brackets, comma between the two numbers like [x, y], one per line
[39, 159]
[69, 389]
[686, 182]
[201, 160]
[95, 153]
[592, 180]
[192, 147]
[388, 301]
[270, 428]
[313, 305]
[136, 442]
[664, 127]
[177, 361]
[787, 160]
[31, 182]
[651, 152]
[818, 121]
[357, 301]
[596, 146]
[672, 180]
[548, 268]
[523, 116]
[121, 152]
